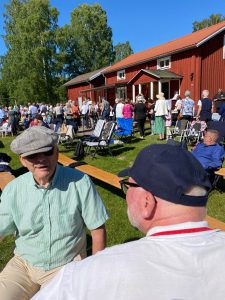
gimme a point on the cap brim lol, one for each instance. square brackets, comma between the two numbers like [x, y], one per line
[36, 151]
[124, 173]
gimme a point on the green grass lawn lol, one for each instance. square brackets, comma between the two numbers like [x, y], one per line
[118, 228]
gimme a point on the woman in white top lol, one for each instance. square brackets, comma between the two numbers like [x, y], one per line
[161, 111]
[119, 109]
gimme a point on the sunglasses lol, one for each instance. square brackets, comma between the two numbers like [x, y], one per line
[34, 156]
[125, 184]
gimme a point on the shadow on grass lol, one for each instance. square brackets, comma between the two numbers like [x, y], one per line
[19, 171]
[220, 185]
[121, 150]
[115, 149]
[108, 187]
[89, 244]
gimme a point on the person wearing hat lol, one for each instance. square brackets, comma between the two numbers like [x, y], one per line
[161, 110]
[49, 209]
[179, 258]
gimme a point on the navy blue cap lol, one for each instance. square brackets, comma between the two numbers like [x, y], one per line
[168, 172]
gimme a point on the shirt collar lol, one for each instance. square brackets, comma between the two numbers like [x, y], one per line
[209, 145]
[186, 225]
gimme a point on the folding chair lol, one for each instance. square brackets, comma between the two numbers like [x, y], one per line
[180, 130]
[217, 175]
[5, 130]
[66, 134]
[125, 127]
[195, 131]
[95, 136]
[105, 140]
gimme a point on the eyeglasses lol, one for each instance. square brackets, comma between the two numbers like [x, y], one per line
[125, 184]
[34, 156]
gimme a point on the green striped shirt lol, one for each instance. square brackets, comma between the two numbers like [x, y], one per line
[50, 223]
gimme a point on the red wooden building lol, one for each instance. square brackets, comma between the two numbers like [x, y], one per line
[90, 85]
[195, 62]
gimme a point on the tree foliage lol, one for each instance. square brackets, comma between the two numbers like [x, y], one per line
[41, 56]
[122, 50]
[30, 69]
[91, 38]
[213, 19]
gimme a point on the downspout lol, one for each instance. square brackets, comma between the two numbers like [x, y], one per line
[104, 89]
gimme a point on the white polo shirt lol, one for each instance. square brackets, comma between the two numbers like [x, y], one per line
[179, 262]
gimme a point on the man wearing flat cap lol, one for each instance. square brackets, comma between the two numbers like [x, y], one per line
[49, 209]
[180, 257]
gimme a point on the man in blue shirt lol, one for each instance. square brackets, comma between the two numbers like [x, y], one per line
[209, 153]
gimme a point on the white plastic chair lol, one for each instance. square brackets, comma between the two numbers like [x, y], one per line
[5, 130]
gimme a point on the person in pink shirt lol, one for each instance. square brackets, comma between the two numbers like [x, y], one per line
[128, 109]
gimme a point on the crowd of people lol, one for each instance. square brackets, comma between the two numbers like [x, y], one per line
[161, 112]
[23, 117]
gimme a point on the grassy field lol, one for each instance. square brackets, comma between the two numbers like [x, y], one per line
[118, 227]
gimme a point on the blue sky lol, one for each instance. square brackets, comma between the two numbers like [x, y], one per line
[144, 23]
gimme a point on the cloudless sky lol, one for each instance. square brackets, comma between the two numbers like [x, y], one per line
[144, 23]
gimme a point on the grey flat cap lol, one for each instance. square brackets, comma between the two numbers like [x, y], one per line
[33, 140]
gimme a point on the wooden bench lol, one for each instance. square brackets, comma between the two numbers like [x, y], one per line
[113, 180]
[220, 172]
[5, 178]
[214, 223]
[94, 172]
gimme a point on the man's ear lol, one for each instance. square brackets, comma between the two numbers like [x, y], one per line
[57, 150]
[23, 161]
[148, 206]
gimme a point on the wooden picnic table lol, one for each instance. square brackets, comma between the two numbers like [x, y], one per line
[5, 178]
[220, 172]
[92, 171]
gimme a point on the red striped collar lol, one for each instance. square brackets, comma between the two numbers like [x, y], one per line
[181, 231]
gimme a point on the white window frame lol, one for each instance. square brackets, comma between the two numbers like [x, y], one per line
[119, 73]
[224, 46]
[163, 60]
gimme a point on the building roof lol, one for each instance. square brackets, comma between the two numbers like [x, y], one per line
[85, 77]
[189, 41]
[160, 74]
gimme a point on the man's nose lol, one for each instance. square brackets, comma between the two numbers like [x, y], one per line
[40, 157]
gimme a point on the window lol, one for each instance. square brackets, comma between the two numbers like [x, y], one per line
[164, 63]
[224, 47]
[121, 75]
[121, 92]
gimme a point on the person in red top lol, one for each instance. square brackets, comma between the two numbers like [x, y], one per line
[76, 113]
